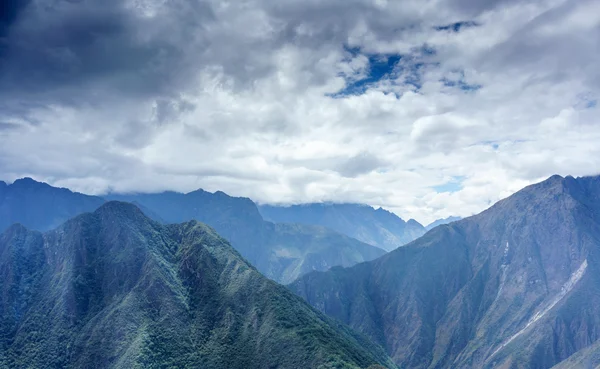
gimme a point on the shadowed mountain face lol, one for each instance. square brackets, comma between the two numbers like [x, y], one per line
[379, 227]
[438, 222]
[113, 289]
[40, 206]
[517, 286]
[587, 358]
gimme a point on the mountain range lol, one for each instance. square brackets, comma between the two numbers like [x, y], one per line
[516, 286]
[377, 227]
[282, 252]
[40, 206]
[114, 289]
[439, 222]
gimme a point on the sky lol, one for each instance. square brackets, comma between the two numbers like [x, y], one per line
[426, 108]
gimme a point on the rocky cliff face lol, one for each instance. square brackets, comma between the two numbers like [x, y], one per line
[113, 289]
[517, 286]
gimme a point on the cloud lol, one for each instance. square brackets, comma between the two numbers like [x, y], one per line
[428, 109]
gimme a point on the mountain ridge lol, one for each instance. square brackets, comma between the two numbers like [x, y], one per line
[377, 227]
[40, 206]
[42, 209]
[113, 289]
[441, 221]
[492, 290]
[282, 252]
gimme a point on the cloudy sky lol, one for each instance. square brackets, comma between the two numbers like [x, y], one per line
[427, 108]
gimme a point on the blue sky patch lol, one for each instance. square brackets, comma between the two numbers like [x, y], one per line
[381, 66]
[493, 144]
[586, 100]
[454, 185]
[389, 67]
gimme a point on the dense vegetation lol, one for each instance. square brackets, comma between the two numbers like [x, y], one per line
[114, 289]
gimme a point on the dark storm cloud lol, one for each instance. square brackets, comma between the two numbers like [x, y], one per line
[9, 12]
[474, 8]
[60, 49]
[6, 126]
[82, 51]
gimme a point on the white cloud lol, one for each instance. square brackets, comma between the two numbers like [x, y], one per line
[238, 99]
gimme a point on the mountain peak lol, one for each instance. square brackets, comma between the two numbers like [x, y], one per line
[124, 300]
[509, 285]
[40, 206]
[120, 209]
[560, 183]
[556, 177]
[14, 228]
[27, 182]
[381, 210]
[438, 222]
[197, 191]
[413, 222]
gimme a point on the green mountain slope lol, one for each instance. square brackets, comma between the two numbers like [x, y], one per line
[113, 289]
[379, 227]
[282, 252]
[517, 286]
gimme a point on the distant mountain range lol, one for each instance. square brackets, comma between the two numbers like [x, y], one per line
[40, 206]
[441, 222]
[114, 289]
[282, 252]
[517, 286]
[377, 227]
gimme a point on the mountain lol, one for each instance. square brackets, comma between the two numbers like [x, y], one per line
[587, 358]
[114, 289]
[40, 206]
[379, 227]
[516, 286]
[282, 252]
[441, 221]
